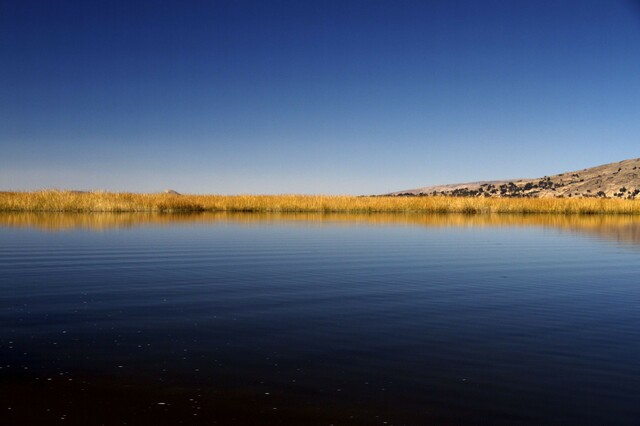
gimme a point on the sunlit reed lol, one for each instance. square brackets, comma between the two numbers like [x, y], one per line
[70, 201]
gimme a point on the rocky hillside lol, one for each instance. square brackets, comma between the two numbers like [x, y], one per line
[615, 180]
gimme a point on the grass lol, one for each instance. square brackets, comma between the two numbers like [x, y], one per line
[70, 201]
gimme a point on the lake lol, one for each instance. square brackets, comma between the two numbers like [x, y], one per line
[319, 319]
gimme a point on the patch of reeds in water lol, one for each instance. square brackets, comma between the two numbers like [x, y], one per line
[70, 201]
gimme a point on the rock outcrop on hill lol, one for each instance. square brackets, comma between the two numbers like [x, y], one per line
[615, 180]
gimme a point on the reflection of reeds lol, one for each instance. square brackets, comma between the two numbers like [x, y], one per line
[615, 227]
[69, 201]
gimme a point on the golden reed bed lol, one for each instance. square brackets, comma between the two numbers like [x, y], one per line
[69, 201]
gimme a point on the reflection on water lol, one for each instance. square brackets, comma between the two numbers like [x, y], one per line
[319, 319]
[620, 228]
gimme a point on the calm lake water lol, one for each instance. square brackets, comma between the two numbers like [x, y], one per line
[319, 319]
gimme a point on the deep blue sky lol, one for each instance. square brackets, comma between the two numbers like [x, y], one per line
[332, 96]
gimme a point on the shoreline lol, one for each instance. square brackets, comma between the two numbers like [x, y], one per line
[125, 202]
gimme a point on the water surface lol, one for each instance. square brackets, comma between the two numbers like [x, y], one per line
[319, 319]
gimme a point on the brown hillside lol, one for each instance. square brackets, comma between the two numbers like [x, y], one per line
[615, 180]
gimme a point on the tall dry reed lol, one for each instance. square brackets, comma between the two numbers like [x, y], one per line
[69, 201]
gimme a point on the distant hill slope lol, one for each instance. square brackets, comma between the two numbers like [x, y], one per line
[615, 180]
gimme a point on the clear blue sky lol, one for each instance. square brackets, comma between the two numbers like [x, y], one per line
[331, 96]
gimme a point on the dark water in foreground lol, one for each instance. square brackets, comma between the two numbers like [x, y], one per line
[307, 319]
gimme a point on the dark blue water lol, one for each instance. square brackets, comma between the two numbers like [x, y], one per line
[319, 322]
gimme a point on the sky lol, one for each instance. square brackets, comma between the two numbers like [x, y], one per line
[331, 96]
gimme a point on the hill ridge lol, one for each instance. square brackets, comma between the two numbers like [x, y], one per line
[613, 180]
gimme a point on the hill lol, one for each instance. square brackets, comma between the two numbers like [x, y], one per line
[614, 180]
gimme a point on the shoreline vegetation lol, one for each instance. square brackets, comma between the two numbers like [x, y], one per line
[117, 202]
